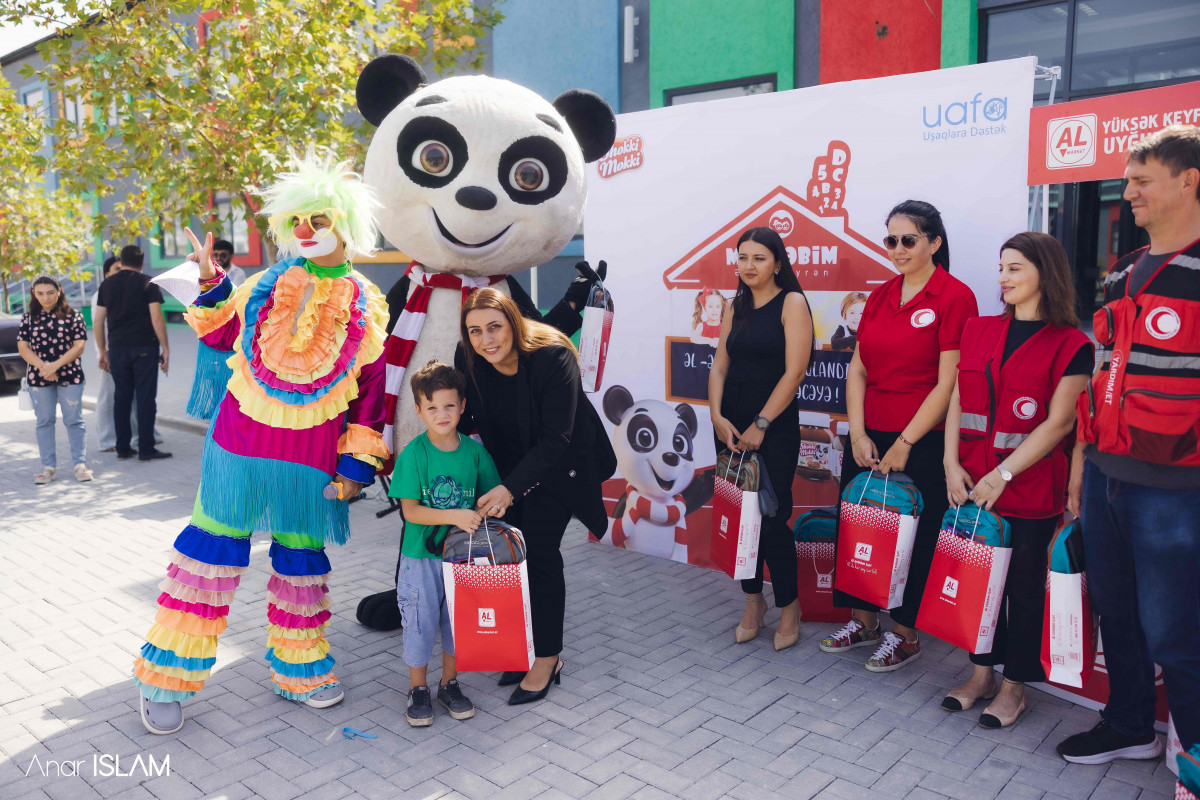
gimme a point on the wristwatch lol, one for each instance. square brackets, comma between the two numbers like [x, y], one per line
[762, 423]
[1005, 474]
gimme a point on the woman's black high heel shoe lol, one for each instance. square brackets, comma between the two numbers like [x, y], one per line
[522, 696]
[510, 677]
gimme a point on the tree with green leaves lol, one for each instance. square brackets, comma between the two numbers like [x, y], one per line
[40, 230]
[166, 104]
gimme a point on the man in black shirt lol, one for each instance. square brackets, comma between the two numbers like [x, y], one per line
[136, 344]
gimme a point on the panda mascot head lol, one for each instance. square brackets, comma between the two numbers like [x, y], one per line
[653, 443]
[478, 176]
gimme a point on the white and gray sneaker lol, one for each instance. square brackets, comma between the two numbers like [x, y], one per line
[161, 718]
[326, 697]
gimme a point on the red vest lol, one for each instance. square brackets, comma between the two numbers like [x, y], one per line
[1002, 404]
[1145, 399]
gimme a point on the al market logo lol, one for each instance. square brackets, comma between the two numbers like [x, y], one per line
[625, 155]
[1072, 142]
[965, 118]
[826, 253]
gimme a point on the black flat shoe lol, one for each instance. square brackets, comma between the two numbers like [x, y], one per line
[522, 696]
[510, 677]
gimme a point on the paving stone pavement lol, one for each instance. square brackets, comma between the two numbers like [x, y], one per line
[656, 699]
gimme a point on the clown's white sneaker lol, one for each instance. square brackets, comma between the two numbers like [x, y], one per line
[324, 698]
[161, 718]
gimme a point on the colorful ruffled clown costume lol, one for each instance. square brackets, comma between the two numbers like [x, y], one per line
[305, 402]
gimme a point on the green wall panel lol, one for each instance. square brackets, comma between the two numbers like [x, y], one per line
[960, 33]
[707, 41]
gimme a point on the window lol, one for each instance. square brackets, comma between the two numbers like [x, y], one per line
[175, 243]
[74, 110]
[761, 84]
[1039, 31]
[1118, 43]
[36, 100]
[232, 229]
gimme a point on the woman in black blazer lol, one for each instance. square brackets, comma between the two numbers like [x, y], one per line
[526, 401]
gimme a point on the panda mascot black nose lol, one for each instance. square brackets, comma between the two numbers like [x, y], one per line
[475, 198]
[670, 459]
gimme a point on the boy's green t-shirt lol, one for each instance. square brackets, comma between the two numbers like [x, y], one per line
[440, 479]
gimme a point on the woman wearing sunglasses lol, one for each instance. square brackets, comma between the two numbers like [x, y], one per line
[897, 390]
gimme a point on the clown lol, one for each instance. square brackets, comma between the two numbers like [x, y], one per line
[304, 406]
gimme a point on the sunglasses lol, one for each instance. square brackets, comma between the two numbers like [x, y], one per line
[286, 224]
[908, 240]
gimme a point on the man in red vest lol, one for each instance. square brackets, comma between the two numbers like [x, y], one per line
[1135, 475]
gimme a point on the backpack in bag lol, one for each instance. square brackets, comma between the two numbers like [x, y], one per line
[978, 525]
[1189, 769]
[1066, 549]
[893, 492]
[493, 542]
[818, 525]
[749, 474]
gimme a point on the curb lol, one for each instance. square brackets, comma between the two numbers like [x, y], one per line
[185, 424]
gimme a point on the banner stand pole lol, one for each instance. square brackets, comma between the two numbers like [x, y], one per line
[1051, 74]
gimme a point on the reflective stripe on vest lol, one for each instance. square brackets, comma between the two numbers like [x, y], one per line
[974, 422]
[1008, 441]
[1165, 362]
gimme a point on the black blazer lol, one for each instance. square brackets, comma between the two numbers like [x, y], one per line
[566, 450]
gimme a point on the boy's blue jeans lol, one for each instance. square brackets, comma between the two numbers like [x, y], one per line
[421, 596]
[1142, 547]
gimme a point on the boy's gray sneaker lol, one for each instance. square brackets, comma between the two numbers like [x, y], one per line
[420, 707]
[451, 696]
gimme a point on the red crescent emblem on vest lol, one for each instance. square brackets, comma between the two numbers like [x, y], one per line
[1025, 407]
[1162, 323]
[923, 317]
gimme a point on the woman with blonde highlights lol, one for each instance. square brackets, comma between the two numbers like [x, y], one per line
[526, 400]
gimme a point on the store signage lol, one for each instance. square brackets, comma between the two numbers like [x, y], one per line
[1087, 140]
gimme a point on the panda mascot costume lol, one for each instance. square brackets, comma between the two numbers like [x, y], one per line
[479, 178]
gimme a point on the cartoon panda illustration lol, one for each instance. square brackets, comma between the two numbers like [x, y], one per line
[653, 442]
[479, 178]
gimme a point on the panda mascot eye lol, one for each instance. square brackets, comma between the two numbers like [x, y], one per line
[433, 157]
[528, 175]
[642, 435]
[681, 442]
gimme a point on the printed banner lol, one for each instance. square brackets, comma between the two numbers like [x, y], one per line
[1086, 140]
[822, 166]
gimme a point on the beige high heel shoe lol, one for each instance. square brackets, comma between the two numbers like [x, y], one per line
[785, 640]
[743, 635]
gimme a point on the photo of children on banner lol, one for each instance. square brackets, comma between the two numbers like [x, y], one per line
[487, 589]
[742, 496]
[1069, 630]
[597, 327]
[963, 595]
[707, 316]
[879, 516]
[816, 557]
[845, 336]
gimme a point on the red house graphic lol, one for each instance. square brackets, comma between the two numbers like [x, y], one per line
[826, 254]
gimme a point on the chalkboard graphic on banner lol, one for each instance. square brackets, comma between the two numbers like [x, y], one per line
[824, 386]
[688, 365]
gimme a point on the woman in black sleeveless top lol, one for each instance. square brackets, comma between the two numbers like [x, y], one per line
[761, 359]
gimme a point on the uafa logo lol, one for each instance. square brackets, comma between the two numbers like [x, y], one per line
[1025, 407]
[1162, 323]
[966, 112]
[923, 317]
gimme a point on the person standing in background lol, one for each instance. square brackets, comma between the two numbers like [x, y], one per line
[223, 255]
[132, 308]
[51, 339]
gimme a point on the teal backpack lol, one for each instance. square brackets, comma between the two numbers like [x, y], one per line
[818, 525]
[1066, 549]
[978, 525]
[894, 492]
[1189, 769]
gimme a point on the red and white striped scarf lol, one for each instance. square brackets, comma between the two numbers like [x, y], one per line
[400, 345]
[638, 507]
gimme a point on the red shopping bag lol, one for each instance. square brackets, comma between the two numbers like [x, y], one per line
[874, 550]
[815, 563]
[594, 335]
[964, 592]
[736, 526]
[490, 614]
[1068, 629]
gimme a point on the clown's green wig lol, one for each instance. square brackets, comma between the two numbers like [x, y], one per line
[316, 182]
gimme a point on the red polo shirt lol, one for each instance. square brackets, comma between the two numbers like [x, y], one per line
[900, 345]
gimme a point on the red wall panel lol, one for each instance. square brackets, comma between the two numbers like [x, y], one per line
[854, 44]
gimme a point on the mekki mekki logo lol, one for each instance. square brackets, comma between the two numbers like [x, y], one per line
[625, 155]
[1071, 142]
[862, 551]
[950, 587]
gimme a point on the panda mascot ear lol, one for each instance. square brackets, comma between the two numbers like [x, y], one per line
[617, 400]
[591, 121]
[384, 83]
[688, 415]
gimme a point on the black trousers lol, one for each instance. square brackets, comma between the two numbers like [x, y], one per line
[1018, 642]
[780, 450]
[543, 519]
[134, 372]
[927, 472]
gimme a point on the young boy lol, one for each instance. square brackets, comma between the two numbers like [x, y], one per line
[437, 478]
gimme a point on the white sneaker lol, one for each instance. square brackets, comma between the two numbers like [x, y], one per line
[82, 473]
[44, 477]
